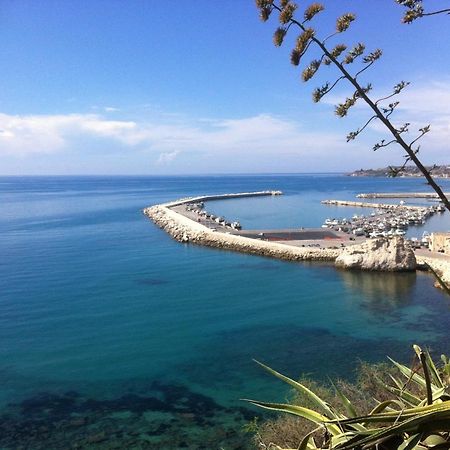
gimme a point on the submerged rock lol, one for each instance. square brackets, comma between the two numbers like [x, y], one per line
[389, 255]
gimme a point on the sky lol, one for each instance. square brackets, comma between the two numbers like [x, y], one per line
[146, 87]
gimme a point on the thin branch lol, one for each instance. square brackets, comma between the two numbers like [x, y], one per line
[386, 98]
[352, 135]
[364, 68]
[442, 11]
[424, 131]
[384, 144]
[330, 36]
[334, 84]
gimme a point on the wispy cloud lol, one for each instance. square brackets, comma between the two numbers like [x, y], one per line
[167, 157]
[111, 109]
[259, 142]
[51, 133]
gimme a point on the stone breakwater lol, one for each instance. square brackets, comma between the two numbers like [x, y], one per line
[206, 198]
[400, 195]
[184, 229]
[373, 205]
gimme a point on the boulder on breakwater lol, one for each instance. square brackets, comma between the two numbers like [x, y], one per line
[388, 255]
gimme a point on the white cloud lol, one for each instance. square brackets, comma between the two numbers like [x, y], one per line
[111, 109]
[167, 157]
[34, 134]
[258, 143]
[262, 133]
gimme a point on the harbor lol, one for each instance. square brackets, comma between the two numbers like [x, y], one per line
[382, 231]
[386, 220]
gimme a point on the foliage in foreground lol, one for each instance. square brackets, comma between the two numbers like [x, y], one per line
[412, 411]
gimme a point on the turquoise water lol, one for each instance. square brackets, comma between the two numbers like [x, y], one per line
[111, 333]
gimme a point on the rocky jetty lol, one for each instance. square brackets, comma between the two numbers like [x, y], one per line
[389, 255]
[186, 230]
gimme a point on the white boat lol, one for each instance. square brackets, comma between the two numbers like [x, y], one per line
[358, 232]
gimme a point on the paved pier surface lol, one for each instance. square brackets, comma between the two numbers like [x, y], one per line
[292, 234]
[298, 237]
[304, 237]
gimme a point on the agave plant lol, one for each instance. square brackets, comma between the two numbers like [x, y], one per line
[405, 422]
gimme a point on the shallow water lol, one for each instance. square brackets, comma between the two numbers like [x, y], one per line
[112, 334]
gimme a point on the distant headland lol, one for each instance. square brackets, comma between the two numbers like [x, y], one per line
[408, 171]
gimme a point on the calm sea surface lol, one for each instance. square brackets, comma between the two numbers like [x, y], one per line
[113, 335]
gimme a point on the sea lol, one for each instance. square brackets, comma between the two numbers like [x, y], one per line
[114, 335]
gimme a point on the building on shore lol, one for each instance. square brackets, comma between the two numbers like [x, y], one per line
[440, 242]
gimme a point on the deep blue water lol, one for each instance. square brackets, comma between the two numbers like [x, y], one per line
[103, 316]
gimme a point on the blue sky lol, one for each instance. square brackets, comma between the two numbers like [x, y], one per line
[177, 87]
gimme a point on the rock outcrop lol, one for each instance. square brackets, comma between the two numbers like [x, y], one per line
[390, 255]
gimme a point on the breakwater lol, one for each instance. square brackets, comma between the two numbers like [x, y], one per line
[400, 195]
[208, 198]
[184, 229]
[372, 205]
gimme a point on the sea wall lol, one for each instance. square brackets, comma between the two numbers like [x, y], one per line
[208, 198]
[399, 195]
[372, 205]
[184, 229]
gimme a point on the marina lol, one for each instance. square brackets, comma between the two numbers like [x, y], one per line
[386, 221]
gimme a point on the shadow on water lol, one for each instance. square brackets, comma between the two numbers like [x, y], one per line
[167, 417]
[380, 292]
